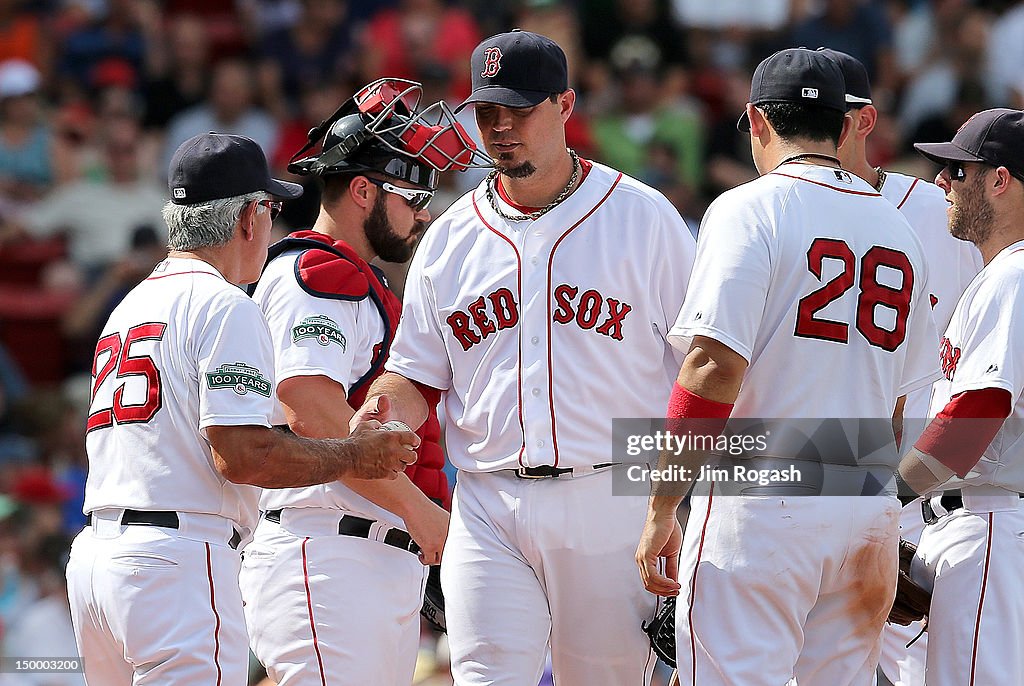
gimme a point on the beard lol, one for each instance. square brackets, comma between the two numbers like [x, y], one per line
[519, 171]
[383, 239]
[972, 217]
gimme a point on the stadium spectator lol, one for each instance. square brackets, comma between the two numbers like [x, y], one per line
[607, 24]
[177, 71]
[99, 215]
[118, 29]
[623, 137]
[935, 89]
[21, 35]
[229, 107]
[856, 27]
[419, 31]
[26, 167]
[316, 49]
[1005, 54]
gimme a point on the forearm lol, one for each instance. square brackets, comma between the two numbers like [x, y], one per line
[922, 472]
[273, 459]
[400, 496]
[316, 407]
[268, 458]
[701, 402]
[407, 402]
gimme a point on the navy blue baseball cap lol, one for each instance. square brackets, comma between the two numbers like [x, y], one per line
[855, 74]
[994, 137]
[517, 69]
[800, 76]
[211, 166]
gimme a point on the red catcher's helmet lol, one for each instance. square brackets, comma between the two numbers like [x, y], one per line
[379, 129]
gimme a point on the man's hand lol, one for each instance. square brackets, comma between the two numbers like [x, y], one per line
[379, 453]
[377, 408]
[662, 537]
[428, 526]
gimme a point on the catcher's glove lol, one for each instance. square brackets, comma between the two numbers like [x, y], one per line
[662, 632]
[433, 600]
[912, 602]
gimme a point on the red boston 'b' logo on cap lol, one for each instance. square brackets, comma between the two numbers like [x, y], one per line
[492, 62]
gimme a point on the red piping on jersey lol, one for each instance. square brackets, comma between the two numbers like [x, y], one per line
[309, 608]
[164, 276]
[825, 185]
[909, 191]
[693, 587]
[981, 601]
[213, 605]
[519, 329]
[551, 261]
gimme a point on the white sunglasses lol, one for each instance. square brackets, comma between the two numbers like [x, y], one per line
[416, 198]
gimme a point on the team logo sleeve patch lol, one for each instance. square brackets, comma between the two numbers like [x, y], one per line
[239, 377]
[320, 328]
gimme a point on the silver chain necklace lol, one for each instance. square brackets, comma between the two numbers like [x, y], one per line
[492, 179]
[881, 178]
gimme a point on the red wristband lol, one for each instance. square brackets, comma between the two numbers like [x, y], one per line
[686, 405]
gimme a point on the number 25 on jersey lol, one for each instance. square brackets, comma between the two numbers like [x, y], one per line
[873, 294]
[117, 353]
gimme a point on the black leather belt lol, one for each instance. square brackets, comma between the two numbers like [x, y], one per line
[350, 525]
[167, 520]
[163, 519]
[950, 500]
[546, 471]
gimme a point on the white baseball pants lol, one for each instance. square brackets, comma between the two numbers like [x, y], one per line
[975, 556]
[330, 610]
[782, 587]
[157, 606]
[533, 560]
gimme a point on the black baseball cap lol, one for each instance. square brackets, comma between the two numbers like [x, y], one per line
[858, 86]
[797, 75]
[220, 165]
[994, 137]
[517, 69]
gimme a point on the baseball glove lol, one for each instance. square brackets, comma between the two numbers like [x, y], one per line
[912, 602]
[662, 632]
[433, 600]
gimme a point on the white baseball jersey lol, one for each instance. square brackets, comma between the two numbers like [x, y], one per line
[822, 286]
[951, 262]
[523, 335]
[788, 290]
[540, 332]
[982, 348]
[315, 336]
[183, 351]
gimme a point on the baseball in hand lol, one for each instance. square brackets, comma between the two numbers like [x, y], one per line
[395, 425]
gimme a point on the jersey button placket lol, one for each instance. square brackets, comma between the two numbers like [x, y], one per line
[534, 332]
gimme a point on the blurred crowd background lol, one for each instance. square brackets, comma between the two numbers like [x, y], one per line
[95, 95]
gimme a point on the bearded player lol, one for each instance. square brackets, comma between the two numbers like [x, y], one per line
[538, 307]
[333, 580]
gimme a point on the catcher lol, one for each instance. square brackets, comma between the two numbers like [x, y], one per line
[334, 578]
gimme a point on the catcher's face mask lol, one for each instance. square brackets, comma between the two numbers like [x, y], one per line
[400, 141]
